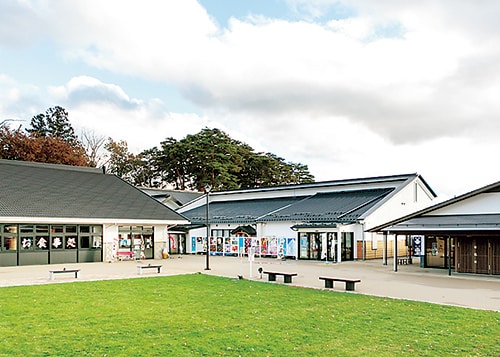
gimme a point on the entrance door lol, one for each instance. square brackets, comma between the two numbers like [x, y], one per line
[495, 256]
[331, 242]
[310, 246]
[437, 252]
[465, 256]
[347, 246]
[315, 246]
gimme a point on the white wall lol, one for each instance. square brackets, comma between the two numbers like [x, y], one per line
[409, 199]
[484, 203]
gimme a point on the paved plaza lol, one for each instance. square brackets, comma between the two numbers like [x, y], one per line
[409, 282]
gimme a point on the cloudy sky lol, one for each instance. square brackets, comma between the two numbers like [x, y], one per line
[351, 88]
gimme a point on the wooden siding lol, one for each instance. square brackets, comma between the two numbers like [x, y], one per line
[378, 253]
[478, 255]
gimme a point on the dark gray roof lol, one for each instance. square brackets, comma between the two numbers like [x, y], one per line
[50, 191]
[424, 221]
[243, 211]
[449, 223]
[180, 197]
[394, 180]
[341, 207]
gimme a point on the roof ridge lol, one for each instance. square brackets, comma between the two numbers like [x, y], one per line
[52, 166]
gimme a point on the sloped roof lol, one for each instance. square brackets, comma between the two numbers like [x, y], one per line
[395, 180]
[344, 206]
[341, 207]
[244, 211]
[449, 223]
[36, 190]
[179, 197]
[424, 221]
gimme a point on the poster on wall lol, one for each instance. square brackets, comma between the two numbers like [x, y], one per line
[200, 245]
[273, 246]
[264, 246]
[417, 245]
[227, 246]
[291, 247]
[234, 246]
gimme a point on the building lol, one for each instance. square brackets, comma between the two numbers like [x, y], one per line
[318, 221]
[462, 233]
[63, 214]
[173, 199]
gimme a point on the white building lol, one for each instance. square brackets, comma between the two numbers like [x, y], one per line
[64, 214]
[320, 221]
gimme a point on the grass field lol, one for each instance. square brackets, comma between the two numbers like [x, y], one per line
[213, 316]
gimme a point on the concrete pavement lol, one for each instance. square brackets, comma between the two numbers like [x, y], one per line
[410, 282]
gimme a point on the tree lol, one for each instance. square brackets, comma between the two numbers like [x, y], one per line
[94, 145]
[16, 145]
[54, 123]
[212, 157]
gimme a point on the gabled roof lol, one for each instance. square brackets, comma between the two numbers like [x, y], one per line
[179, 198]
[425, 221]
[342, 201]
[318, 186]
[245, 211]
[38, 190]
[341, 207]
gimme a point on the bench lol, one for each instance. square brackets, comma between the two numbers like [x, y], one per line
[349, 283]
[53, 272]
[404, 260]
[125, 254]
[149, 266]
[286, 276]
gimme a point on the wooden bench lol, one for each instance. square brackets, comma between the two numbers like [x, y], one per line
[149, 266]
[349, 283]
[125, 254]
[404, 260]
[53, 272]
[286, 276]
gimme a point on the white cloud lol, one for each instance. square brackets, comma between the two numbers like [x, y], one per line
[384, 87]
[107, 110]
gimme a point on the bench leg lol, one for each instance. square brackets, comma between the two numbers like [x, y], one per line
[272, 277]
[51, 277]
[349, 286]
[139, 270]
[329, 284]
[159, 270]
[288, 279]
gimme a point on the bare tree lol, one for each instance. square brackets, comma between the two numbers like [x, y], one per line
[94, 147]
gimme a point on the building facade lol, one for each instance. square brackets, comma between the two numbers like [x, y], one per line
[51, 214]
[316, 221]
[460, 234]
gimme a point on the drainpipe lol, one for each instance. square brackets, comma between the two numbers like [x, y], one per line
[395, 252]
[363, 253]
[384, 249]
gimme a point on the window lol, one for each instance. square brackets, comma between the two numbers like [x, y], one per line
[9, 243]
[71, 242]
[85, 242]
[57, 229]
[84, 229]
[26, 243]
[26, 228]
[70, 229]
[41, 242]
[57, 242]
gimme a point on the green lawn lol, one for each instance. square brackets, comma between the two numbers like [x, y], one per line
[213, 316]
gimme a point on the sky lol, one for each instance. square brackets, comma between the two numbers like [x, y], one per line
[351, 88]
